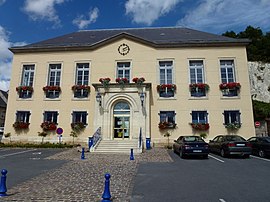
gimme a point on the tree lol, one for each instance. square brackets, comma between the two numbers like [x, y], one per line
[42, 134]
[167, 134]
[261, 110]
[74, 133]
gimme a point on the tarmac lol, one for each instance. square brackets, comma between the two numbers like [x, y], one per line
[83, 180]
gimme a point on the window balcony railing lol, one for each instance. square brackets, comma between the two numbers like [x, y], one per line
[52, 91]
[166, 125]
[25, 91]
[47, 125]
[81, 91]
[230, 89]
[21, 125]
[198, 89]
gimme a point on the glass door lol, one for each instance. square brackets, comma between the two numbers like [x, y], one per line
[121, 127]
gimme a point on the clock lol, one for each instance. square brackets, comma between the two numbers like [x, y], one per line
[123, 49]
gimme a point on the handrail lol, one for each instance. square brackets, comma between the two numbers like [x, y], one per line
[95, 139]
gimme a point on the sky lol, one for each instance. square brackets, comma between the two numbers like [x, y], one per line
[24, 22]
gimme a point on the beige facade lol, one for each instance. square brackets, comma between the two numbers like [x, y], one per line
[145, 61]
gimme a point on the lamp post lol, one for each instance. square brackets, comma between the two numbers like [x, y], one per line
[142, 98]
[98, 98]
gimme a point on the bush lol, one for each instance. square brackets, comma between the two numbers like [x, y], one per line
[33, 145]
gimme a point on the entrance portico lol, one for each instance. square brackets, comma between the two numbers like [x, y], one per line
[122, 111]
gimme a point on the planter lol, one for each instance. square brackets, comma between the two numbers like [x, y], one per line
[166, 125]
[230, 86]
[164, 87]
[51, 88]
[233, 126]
[48, 126]
[196, 86]
[200, 126]
[121, 81]
[81, 87]
[138, 81]
[105, 82]
[21, 125]
[19, 89]
[77, 126]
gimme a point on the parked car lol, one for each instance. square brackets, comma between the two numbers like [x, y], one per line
[230, 145]
[191, 146]
[260, 146]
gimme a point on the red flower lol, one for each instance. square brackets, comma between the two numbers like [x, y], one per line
[193, 86]
[164, 86]
[121, 80]
[138, 80]
[48, 125]
[200, 126]
[102, 80]
[51, 88]
[80, 87]
[230, 85]
[24, 88]
[21, 125]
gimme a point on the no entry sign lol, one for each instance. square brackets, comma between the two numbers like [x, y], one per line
[257, 124]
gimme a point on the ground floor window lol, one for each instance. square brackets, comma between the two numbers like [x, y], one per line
[167, 119]
[232, 119]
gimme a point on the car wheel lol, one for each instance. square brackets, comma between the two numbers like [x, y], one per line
[222, 153]
[261, 153]
[181, 154]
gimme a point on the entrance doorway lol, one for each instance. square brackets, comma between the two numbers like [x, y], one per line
[121, 116]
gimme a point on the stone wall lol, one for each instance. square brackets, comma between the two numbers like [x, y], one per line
[259, 75]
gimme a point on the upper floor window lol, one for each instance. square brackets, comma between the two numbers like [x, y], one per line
[227, 71]
[199, 117]
[166, 78]
[54, 81]
[123, 70]
[25, 90]
[81, 89]
[196, 74]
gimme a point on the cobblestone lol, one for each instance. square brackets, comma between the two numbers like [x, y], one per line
[83, 180]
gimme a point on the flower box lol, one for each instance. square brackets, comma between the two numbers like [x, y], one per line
[233, 126]
[105, 81]
[51, 88]
[164, 87]
[19, 89]
[197, 86]
[77, 125]
[166, 125]
[200, 126]
[21, 125]
[81, 87]
[230, 86]
[48, 125]
[121, 80]
[138, 81]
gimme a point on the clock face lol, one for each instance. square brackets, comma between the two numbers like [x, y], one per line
[123, 49]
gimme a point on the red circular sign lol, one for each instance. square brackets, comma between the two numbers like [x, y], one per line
[257, 124]
[59, 131]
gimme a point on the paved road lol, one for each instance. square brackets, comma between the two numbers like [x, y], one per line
[204, 180]
[23, 164]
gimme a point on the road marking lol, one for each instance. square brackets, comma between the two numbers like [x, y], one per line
[256, 157]
[12, 154]
[35, 153]
[34, 158]
[222, 200]
[216, 158]
[4, 149]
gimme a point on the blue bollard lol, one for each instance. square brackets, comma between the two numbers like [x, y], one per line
[131, 155]
[106, 194]
[3, 187]
[82, 156]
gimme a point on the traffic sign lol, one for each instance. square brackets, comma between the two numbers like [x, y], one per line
[257, 124]
[59, 131]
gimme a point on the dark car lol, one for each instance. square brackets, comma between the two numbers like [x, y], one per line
[260, 146]
[191, 146]
[230, 145]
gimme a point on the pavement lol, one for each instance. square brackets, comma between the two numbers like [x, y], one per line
[83, 180]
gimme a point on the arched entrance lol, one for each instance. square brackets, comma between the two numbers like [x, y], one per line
[121, 120]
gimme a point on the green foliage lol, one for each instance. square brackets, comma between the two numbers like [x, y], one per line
[259, 48]
[261, 110]
[32, 145]
[74, 133]
[203, 135]
[8, 135]
[42, 134]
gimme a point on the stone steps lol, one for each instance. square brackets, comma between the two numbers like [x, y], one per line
[117, 146]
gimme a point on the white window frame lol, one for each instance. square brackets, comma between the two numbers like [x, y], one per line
[227, 67]
[166, 68]
[196, 70]
[124, 69]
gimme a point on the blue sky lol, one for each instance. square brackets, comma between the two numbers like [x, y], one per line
[27, 21]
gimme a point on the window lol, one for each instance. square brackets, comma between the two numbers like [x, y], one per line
[199, 117]
[232, 118]
[54, 80]
[165, 78]
[23, 116]
[27, 80]
[82, 79]
[196, 73]
[123, 70]
[167, 119]
[79, 117]
[50, 116]
[227, 71]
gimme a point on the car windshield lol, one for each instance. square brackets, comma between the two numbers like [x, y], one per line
[234, 138]
[193, 139]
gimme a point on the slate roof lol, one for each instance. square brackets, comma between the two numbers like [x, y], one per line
[155, 37]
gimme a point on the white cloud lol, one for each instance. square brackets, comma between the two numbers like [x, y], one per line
[43, 10]
[83, 22]
[220, 15]
[2, 2]
[147, 11]
[5, 58]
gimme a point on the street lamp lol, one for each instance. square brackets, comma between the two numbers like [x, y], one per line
[142, 98]
[98, 98]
